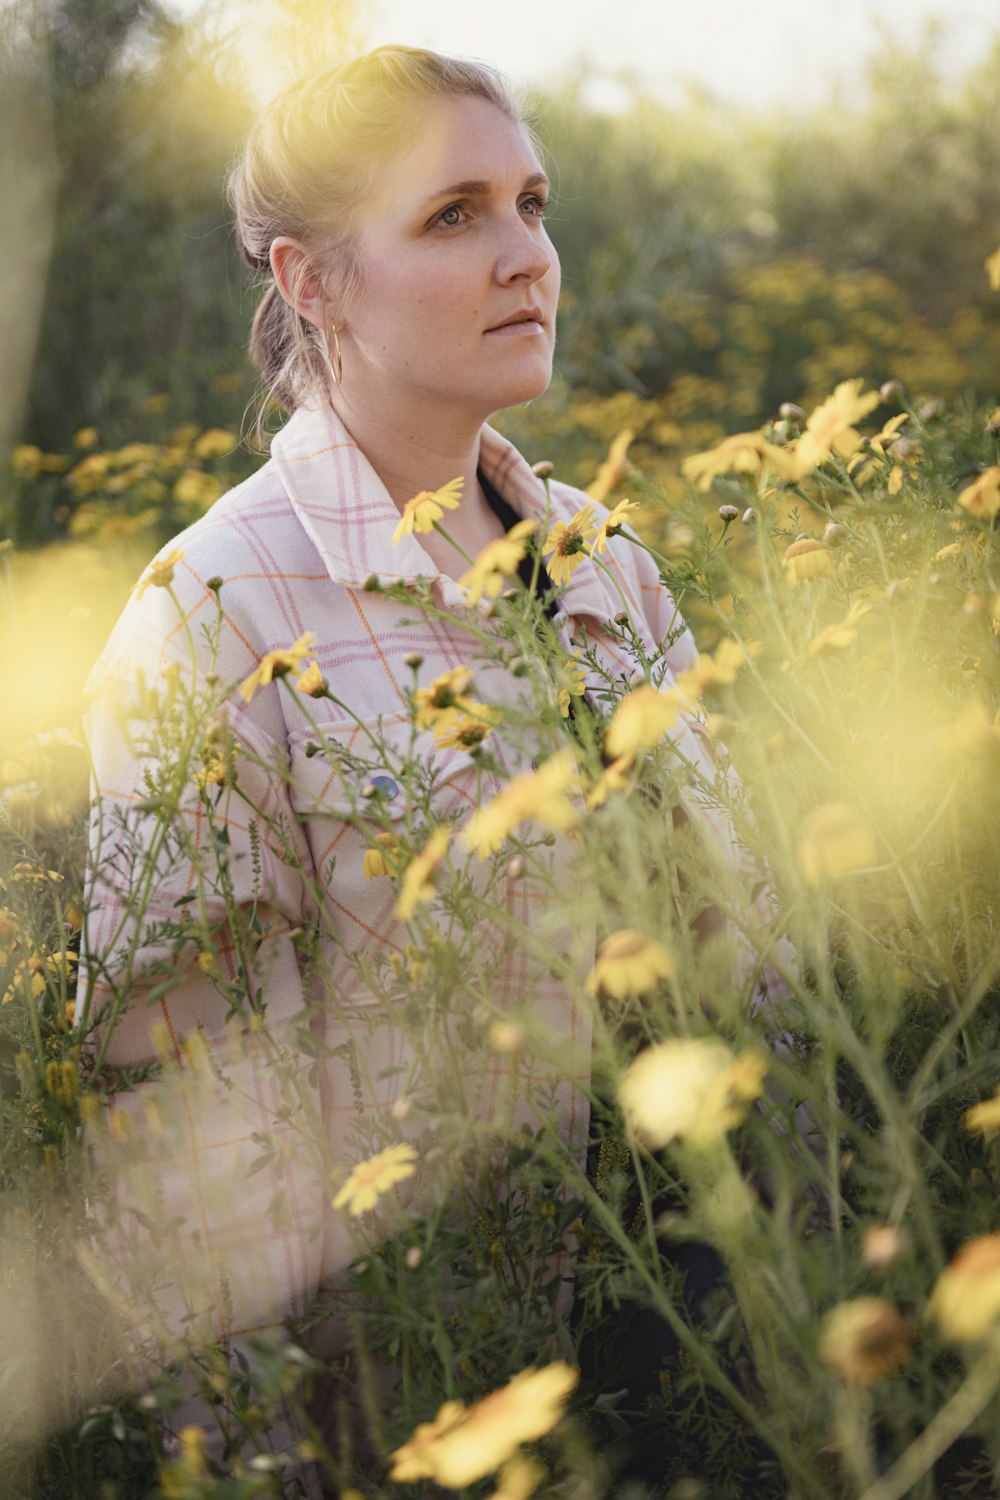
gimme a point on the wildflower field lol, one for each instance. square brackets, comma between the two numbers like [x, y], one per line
[769, 1265]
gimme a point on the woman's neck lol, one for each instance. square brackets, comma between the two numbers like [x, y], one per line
[409, 455]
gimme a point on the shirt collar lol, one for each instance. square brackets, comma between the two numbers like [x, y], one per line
[349, 515]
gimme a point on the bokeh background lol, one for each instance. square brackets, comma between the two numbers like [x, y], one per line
[753, 203]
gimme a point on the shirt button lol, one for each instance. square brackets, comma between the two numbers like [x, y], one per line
[383, 786]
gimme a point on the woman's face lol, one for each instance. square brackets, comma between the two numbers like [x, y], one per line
[453, 247]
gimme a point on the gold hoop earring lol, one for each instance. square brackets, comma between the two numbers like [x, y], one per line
[336, 373]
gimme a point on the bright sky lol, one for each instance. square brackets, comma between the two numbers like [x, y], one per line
[755, 51]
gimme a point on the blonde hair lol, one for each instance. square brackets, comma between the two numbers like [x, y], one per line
[308, 164]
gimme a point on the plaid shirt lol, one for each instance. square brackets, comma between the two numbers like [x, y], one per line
[294, 546]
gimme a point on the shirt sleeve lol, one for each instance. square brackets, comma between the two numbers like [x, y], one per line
[199, 882]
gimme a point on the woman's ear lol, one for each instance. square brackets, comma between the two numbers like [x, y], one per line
[298, 281]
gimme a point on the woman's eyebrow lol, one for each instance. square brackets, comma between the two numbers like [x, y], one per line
[477, 188]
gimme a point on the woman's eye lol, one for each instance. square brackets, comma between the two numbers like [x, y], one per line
[535, 205]
[451, 215]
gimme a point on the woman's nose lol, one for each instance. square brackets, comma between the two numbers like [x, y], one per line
[527, 254]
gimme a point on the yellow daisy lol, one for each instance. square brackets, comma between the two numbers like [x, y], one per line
[807, 559]
[498, 561]
[445, 694]
[985, 1117]
[370, 1179]
[377, 859]
[688, 1088]
[982, 497]
[611, 525]
[567, 543]
[543, 795]
[742, 453]
[420, 513]
[965, 1301]
[629, 963]
[641, 720]
[417, 883]
[160, 574]
[464, 1444]
[830, 427]
[835, 840]
[277, 664]
[865, 1340]
[311, 681]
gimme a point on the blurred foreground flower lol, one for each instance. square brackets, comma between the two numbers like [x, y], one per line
[417, 884]
[865, 1340]
[498, 561]
[420, 513]
[841, 635]
[991, 265]
[985, 1117]
[805, 559]
[160, 574]
[965, 1302]
[629, 963]
[370, 1179]
[687, 1088]
[835, 840]
[614, 468]
[543, 795]
[464, 1444]
[830, 428]
[640, 721]
[982, 497]
[743, 453]
[972, 733]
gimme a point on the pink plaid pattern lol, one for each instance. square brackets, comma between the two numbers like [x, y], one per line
[294, 546]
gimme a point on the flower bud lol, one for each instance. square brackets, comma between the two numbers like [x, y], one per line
[414, 660]
[834, 535]
[891, 391]
[543, 468]
[402, 1109]
[728, 513]
[882, 1245]
[930, 410]
[904, 447]
[789, 412]
[413, 1257]
[516, 868]
[749, 516]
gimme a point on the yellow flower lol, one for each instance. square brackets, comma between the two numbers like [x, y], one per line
[464, 1444]
[865, 1340]
[611, 525]
[278, 664]
[973, 733]
[160, 574]
[543, 795]
[575, 687]
[311, 681]
[194, 487]
[839, 636]
[445, 694]
[687, 1088]
[614, 468]
[835, 840]
[420, 513]
[519, 1477]
[991, 265]
[985, 1117]
[376, 861]
[882, 1245]
[982, 497]
[830, 427]
[965, 1302]
[417, 883]
[498, 561]
[370, 1179]
[806, 559]
[458, 731]
[628, 963]
[567, 542]
[87, 437]
[865, 462]
[951, 550]
[719, 670]
[641, 720]
[614, 778]
[742, 453]
[215, 443]
[219, 768]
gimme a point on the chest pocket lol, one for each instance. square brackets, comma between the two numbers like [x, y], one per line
[356, 778]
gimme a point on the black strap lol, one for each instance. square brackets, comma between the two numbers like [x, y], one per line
[508, 517]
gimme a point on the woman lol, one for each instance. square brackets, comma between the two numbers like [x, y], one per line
[395, 208]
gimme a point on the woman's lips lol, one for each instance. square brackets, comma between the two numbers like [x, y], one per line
[526, 326]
